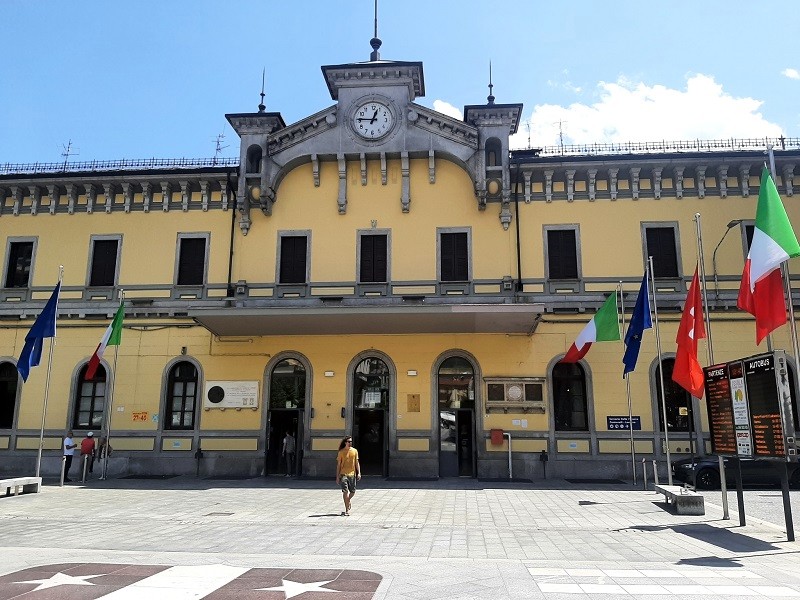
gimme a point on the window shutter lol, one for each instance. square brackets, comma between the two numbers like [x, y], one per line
[18, 270]
[661, 246]
[293, 259]
[104, 263]
[373, 258]
[454, 257]
[562, 254]
[191, 265]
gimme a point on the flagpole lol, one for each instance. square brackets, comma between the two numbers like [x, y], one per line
[627, 386]
[660, 371]
[47, 385]
[706, 312]
[113, 380]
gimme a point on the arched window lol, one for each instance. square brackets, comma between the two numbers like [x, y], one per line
[678, 413]
[371, 384]
[288, 385]
[570, 409]
[456, 384]
[90, 399]
[254, 159]
[8, 394]
[181, 396]
[493, 149]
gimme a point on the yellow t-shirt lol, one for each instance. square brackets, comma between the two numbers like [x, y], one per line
[347, 461]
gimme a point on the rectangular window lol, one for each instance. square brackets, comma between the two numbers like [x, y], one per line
[661, 246]
[373, 259]
[454, 257]
[562, 254]
[191, 260]
[18, 268]
[104, 263]
[293, 259]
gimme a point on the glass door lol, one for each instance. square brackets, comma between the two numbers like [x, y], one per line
[456, 394]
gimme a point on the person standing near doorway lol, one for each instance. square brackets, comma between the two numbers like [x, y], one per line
[288, 452]
[348, 471]
[87, 449]
[69, 451]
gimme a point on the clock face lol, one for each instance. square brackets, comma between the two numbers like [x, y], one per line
[372, 120]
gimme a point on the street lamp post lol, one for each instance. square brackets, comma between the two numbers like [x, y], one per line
[731, 225]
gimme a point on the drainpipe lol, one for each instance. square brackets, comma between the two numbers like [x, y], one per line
[519, 255]
[510, 475]
[232, 206]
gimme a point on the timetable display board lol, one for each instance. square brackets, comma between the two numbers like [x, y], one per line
[749, 405]
[720, 410]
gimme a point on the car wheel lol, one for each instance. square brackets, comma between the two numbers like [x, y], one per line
[794, 480]
[707, 479]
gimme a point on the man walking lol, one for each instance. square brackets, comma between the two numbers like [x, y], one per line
[69, 452]
[288, 452]
[348, 471]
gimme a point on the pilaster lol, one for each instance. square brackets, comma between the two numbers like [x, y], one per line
[722, 180]
[91, 197]
[548, 185]
[612, 182]
[701, 181]
[635, 182]
[72, 197]
[36, 196]
[592, 184]
[127, 193]
[166, 195]
[147, 195]
[678, 174]
[570, 185]
[109, 194]
[657, 182]
[342, 198]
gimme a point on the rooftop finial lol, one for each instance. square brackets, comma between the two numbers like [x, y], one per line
[490, 97]
[262, 106]
[375, 42]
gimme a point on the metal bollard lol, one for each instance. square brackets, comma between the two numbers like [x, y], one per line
[84, 468]
[655, 473]
[644, 473]
[63, 468]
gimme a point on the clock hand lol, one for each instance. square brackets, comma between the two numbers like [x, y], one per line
[374, 117]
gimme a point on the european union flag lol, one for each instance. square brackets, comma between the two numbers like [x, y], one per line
[43, 327]
[639, 322]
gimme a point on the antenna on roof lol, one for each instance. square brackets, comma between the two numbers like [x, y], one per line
[528, 127]
[490, 97]
[67, 152]
[375, 42]
[262, 107]
[219, 147]
[561, 135]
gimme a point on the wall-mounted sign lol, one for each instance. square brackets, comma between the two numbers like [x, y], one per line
[617, 423]
[231, 394]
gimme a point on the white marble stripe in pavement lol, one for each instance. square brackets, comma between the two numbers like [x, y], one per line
[179, 583]
[670, 590]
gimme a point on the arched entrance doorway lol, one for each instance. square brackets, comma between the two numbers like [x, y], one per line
[371, 386]
[456, 396]
[287, 404]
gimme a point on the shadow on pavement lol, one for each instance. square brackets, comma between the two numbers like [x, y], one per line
[716, 536]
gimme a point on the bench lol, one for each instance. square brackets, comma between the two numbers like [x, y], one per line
[683, 500]
[26, 485]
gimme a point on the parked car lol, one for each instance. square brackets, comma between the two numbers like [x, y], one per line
[704, 472]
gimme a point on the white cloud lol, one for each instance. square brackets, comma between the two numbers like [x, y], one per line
[447, 109]
[791, 73]
[628, 111]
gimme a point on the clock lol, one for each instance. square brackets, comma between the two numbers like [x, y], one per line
[372, 120]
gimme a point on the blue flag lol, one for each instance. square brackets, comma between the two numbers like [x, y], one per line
[43, 327]
[639, 322]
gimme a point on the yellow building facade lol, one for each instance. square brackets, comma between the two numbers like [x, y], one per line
[378, 270]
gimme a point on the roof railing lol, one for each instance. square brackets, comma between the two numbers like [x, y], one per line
[124, 164]
[721, 145]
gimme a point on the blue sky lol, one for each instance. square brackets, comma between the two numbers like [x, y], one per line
[155, 78]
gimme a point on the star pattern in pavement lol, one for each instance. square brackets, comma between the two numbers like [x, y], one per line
[291, 588]
[60, 579]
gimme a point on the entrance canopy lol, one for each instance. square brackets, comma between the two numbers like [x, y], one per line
[343, 320]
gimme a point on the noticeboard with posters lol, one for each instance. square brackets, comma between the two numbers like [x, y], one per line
[749, 405]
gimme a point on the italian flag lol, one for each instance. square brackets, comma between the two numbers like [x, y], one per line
[112, 337]
[761, 290]
[604, 327]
